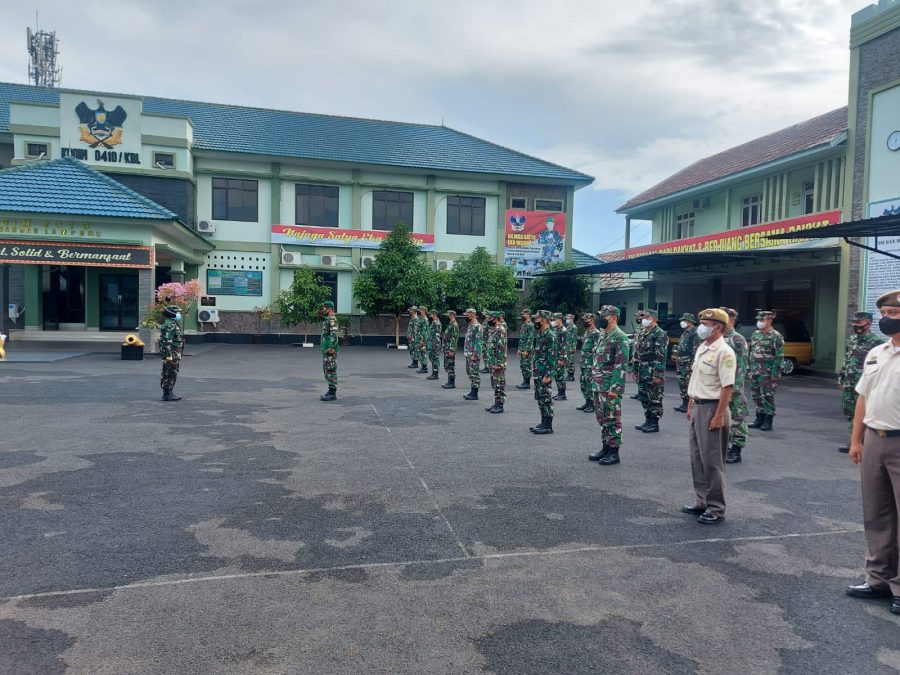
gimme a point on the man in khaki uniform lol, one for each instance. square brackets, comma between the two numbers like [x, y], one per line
[875, 446]
[709, 389]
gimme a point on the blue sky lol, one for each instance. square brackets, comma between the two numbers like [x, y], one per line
[627, 92]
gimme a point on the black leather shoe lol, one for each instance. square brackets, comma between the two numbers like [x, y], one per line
[498, 408]
[867, 592]
[767, 423]
[570, 378]
[451, 384]
[895, 605]
[734, 455]
[560, 396]
[524, 385]
[611, 458]
[539, 426]
[693, 510]
[709, 518]
[546, 429]
[600, 454]
[423, 369]
[640, 427]
[844, 448]
[590, 408]
[414, 364]
[582, 406]
[757, 423]
[330, 395]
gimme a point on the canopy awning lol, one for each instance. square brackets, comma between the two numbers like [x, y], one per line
[882, 226]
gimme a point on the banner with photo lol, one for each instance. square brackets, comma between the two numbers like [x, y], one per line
[882, 272]
[534, 240]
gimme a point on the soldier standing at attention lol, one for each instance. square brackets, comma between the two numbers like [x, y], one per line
[486, 329]
[738, 406]
[434, 343]
[450, 341]
[635, 364]
[171, 343]
[712, 379]
[560, 373]
[411, 338]
[858, 345]
[610, 363]
[526, 349]
[543, 367]
[766, 357]
[651, 370]
[875, 446]
[472, 348]
[495, 355]
[422, 331]
[684, 356]
[571, 346]
[329, 346]
[588, 343]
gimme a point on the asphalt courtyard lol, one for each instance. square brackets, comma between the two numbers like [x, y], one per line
[251, 528]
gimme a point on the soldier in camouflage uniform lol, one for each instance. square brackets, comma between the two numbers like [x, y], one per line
[171, 342]
[586, 379]
[422, 331]
[858, 345]
[684, 356]
[329, 346]
[434, 343]
[526, 349]
[472, 348]
[571, 346]
[495, 355]
[634, 366]
[486, 329]
[411, 338]
[651, 349]
[609, 366]
[543, 366]
[766, 357]
[738, 405]
[449, 342]
[560, 373]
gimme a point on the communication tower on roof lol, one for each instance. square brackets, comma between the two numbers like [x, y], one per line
[43, 48]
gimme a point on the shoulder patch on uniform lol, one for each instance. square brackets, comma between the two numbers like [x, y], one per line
[729, 362]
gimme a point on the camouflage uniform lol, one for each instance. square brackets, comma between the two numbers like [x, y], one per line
[434, 344]
[422, 331]
[608, 367]
[495, 356]
[486, 329]
[329, 341]
[411, 338]
[766, 357]
[171, 344]
[450, 341]
[858, 345]
[634, 365]
[588, 342]
[684, 357]
[472, 347]
[526, 349]
[559, 372]
[651, 351]
[571, 346]
[738, 406]
[544, 365]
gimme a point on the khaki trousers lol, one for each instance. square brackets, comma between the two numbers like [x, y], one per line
[880, 476]
[708, 450]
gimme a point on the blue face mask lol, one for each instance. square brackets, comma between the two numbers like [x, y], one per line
[178, 316]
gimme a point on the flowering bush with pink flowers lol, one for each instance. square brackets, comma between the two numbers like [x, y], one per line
[184, 296]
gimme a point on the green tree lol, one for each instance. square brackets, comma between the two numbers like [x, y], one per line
[570, 294]
[397, 278]
[299, 304]
[478, 281]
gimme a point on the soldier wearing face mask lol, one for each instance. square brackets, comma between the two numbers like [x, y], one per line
[766, 357]
[858, 345]
[171, 343]
[651, 348]
[684, 356]
[588, 343]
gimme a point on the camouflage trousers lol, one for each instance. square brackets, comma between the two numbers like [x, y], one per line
[170, 372]
[413, 349]
[543, 398]
[434, 355]
[570, 368]
[329, 366]
[684, 376]
[608, 410]
[559, 374]
[762, 388]
[473, 370]
[498, 384]
[525, 364]
[651, 396]
[586, 381]
[739, 413]
[848, 404]
[450, 363]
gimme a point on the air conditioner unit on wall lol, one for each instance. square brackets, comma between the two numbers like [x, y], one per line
[366, 261]
[288, 258]
[328, 261]
[700, 204]
[206, 227]
[208, 315]
[444, 264]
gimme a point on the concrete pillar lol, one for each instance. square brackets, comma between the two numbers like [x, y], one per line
[147, 289]
[5, 324]
[627, 231]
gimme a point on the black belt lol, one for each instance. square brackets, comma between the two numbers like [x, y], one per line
[889, 433]
[702, 401]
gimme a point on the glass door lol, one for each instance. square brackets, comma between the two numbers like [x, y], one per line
[118, 301]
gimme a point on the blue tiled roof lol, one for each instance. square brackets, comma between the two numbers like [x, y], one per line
[582, 259]
[277, 133]
[68, 186]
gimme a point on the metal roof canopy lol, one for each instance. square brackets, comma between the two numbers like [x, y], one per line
[668, 262]
[882, 226]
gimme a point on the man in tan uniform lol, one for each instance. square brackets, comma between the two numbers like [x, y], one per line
[875, 446]
[709, 389]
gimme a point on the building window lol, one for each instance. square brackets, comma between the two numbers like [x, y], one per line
[518, 203]
[684, 225]
[548, 205]
[235, 199]
[751, 210]
[164, 160]
[329, 279]
[316, 205]
[36, 150]
[808, 196]
[390, 208]
[465, 215]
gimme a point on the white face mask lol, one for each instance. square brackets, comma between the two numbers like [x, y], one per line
[704, 331]
[178, 316]
[684, 324]
[646, 323]
[760, 324]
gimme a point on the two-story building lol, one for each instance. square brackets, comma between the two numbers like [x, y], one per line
[240, 197]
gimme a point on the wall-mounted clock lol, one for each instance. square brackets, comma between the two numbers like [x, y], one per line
[893, 141]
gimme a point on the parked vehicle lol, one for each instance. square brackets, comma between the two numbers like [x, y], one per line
[798, 344]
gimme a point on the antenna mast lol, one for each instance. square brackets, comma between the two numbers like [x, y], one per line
[43, 48]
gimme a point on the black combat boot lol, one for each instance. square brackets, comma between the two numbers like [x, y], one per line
[330, 395]
[758, 422]
[526, 384]
[169, 396]
[543, 423]
[612, 457]
[640, 427]
[583, 405]
[560, 392]
[496, 408]
[570, 377]
[434, 375]
[651, 425]
[844, 448]
[734, 455]
[423, 368]
[683, 407]
[597, 456]
[485, 370]
[635, 396]
[472, 395]
[589, 408]
[767, 423]
[547, 428]
[451, 383]
[414, 364]
[491, 408]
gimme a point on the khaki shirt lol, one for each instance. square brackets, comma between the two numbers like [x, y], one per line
[880, 384]
[713, 368]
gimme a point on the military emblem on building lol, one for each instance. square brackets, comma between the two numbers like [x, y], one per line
[101, 127]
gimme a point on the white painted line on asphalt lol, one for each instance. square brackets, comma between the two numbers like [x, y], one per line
[428, 561]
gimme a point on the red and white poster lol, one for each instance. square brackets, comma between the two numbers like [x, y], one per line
[534, 240]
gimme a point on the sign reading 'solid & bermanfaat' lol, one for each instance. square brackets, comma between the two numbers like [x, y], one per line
[90, 255]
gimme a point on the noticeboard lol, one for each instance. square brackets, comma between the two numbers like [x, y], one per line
[245, 283]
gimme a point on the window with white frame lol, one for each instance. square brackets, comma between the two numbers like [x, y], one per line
[548, 204]
[684, 225]
[36, 150]
[809, 194]
[518, 203]
[751, 210]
